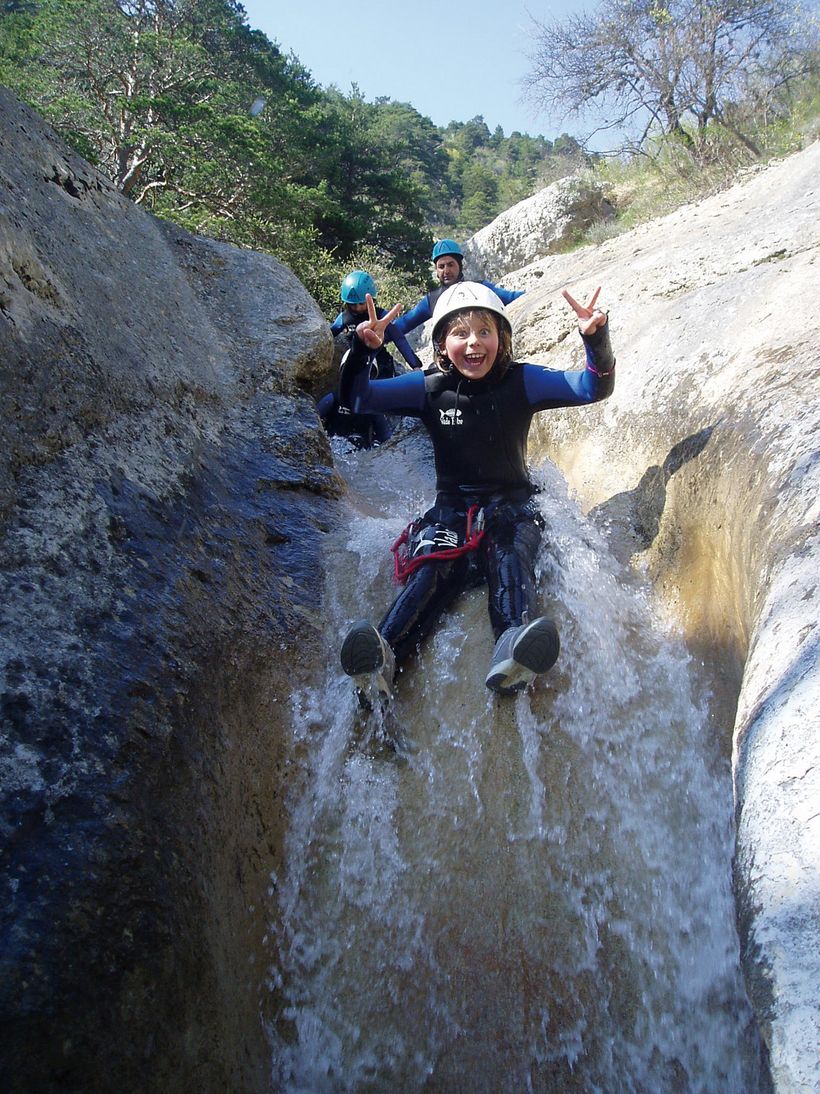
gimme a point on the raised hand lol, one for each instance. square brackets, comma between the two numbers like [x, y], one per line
[371, 331]
[590, 316]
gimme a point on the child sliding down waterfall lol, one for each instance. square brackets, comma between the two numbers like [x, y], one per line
[477, 406]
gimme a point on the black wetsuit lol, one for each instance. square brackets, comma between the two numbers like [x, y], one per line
[479, 432]
[363, 430]
[347, 321]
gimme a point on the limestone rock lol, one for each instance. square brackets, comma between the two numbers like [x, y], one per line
[164, 484]
[704, 466]
[536, 227]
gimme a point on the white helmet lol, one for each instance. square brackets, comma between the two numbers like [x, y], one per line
[466, 295]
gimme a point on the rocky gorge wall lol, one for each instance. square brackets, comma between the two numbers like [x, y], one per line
[704, 468]
[540, 225]
[164, 488]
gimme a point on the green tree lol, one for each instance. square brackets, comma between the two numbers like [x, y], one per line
[411, 144]
[469, 136]
[157, 94]
[370, 195]
[480, 194]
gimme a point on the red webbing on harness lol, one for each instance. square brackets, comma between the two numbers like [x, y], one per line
[404, 566]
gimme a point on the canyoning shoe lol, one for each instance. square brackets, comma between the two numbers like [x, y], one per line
[521, 653]
[368, 659]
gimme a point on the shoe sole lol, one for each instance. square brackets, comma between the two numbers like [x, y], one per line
[362, 657]
[534, 651]
[538, 646]
[362, 651]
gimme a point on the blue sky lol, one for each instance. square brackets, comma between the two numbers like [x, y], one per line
[451, 59]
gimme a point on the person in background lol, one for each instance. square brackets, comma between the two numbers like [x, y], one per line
[477, 405]
[448, 262]
[363, 430]
[354, 289]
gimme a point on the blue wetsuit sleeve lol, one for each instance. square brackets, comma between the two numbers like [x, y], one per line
[337, 326]
[417, 315]
[547, 388]
[401, 395]
[402, 345]
[506, 296]
[325, 405]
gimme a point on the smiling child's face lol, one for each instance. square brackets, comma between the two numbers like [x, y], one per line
[471, 343]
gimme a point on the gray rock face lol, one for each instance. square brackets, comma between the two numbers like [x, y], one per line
[534, 228]
[164, 488]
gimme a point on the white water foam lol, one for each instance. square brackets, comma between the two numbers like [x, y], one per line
[540, 898]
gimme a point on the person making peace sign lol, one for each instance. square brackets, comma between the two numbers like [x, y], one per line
[484, 527]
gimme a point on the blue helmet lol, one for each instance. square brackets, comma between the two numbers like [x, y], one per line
[356, 285]
[447, 247]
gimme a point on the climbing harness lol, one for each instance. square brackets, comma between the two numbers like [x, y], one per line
[421, 542]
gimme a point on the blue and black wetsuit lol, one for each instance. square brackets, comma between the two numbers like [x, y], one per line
[423, 311]
[479, 431]
[347, 321]
[364, 430]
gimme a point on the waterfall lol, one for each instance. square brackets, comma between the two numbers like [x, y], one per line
[538, 896]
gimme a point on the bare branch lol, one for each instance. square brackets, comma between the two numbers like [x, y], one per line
[669, 66]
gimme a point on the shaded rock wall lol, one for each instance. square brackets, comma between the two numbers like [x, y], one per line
[164, 486]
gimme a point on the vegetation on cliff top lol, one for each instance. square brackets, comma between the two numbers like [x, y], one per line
[206, 122]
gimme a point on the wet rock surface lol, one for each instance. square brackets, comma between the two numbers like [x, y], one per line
[164, 491]
[704, 469]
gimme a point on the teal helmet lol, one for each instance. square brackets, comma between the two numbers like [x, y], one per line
[355, 286]
[447, 247]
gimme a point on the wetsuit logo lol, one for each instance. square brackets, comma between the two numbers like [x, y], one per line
[443, 539]
[451, 417]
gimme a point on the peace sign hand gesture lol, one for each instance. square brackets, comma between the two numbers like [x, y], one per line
[371, 331]
[590, 317]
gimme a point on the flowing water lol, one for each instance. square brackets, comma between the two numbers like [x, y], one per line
[538, 897]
